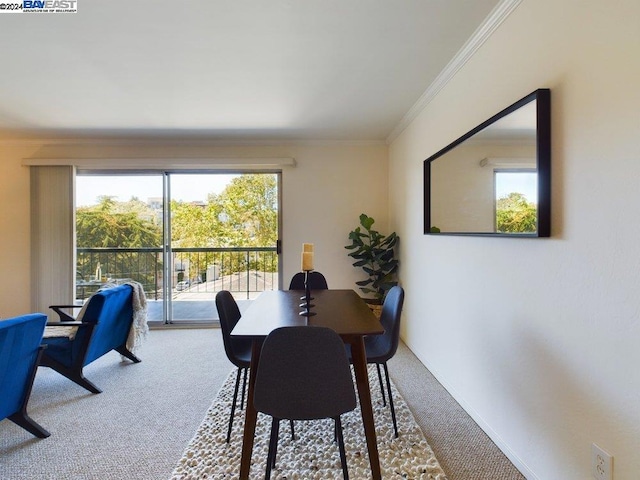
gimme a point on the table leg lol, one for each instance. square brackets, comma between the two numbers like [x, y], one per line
[362, 381]
[251, 414]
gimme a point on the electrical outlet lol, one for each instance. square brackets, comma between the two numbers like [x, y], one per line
[601, 463]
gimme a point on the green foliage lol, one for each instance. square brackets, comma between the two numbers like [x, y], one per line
[375, 254]
[248, 211]
[245, 214]
[111, 224]
[514, 214]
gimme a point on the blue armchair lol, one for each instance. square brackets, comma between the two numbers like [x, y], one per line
[104, 326]
[20, 351]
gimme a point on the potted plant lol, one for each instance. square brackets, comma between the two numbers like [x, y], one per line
[375, 253]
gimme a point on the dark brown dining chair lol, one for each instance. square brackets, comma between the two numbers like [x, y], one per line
[316, 281]
[303, 374]
[381, 348]
[238, 350]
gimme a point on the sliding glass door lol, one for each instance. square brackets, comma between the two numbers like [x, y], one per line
[184, 236]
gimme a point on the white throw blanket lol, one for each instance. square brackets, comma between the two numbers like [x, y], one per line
[139, 327]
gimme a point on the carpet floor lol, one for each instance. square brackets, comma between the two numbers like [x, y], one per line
[139, 427]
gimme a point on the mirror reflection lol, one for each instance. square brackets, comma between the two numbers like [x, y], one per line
[487, 181]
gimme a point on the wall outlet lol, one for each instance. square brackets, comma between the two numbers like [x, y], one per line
[601, 463]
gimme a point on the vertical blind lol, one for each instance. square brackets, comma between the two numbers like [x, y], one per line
[52, 236]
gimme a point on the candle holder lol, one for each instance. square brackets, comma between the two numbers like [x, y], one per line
[306, 305]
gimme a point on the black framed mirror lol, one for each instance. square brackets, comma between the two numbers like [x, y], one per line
[495, 179]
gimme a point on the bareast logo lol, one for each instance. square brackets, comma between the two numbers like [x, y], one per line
[49, 4]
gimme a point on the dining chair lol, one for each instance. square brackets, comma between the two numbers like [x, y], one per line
[381, 348]
[303, 374]
[238, 350]
[316, 281]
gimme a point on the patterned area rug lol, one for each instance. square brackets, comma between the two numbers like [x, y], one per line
[313, 454]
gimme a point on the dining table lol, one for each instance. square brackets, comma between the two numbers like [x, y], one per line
[345, 312]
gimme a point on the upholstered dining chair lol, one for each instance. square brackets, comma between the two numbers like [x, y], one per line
[303, 374]
[20, 351]
[238, 350]
[381, 348]
[316, 281]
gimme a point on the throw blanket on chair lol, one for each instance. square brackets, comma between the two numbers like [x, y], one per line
[139, 327]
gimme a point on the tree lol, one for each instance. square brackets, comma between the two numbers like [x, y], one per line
[112, 224]
[514, 214]
[244, 214]
[248, 211]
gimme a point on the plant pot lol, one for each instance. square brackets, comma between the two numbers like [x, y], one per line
[375, 305]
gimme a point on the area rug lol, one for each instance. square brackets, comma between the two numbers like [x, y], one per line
[313, 454]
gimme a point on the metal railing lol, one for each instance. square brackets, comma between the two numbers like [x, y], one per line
[194, 271]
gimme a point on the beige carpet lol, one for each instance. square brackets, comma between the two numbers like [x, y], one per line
[313, 454]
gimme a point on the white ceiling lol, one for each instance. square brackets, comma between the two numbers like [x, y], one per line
[235, 69]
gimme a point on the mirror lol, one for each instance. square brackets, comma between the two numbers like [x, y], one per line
[495, 179]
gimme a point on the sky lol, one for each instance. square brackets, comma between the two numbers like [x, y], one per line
[521, 182]
[185, 187]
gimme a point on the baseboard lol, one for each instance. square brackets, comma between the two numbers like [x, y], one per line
[491, 433]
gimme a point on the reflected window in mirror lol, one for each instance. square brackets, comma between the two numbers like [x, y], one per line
[465, 181]
[516, 201]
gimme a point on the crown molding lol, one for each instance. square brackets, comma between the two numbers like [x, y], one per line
[498, 15]
[183, 142]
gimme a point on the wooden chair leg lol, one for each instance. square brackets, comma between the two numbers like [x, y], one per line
[25, 421]
[74, 374]
[125, 352]
[21, 418]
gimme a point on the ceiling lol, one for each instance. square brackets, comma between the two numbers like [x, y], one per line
[243, 69]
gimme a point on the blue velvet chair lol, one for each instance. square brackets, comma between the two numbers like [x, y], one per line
[20, 350]
[104, 326]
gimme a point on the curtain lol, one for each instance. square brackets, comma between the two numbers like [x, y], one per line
[52, 236]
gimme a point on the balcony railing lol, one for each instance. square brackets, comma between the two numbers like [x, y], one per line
[195, 272]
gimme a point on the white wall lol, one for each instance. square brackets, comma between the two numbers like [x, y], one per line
[539, 339]
[323, 196]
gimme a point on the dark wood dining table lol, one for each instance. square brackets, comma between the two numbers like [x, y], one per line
[341, 310]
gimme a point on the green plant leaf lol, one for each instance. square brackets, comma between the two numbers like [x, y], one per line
[366, 221]
[375, 254]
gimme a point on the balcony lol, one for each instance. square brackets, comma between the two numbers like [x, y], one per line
[196, 275]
